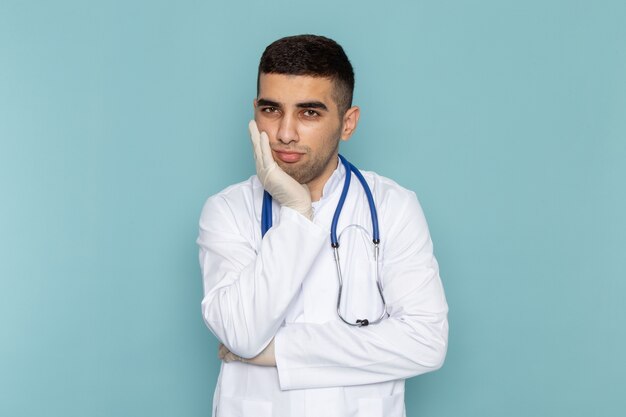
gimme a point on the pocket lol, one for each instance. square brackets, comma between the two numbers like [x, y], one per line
[241, 407]
[391, 406]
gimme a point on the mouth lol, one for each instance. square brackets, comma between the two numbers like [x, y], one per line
[288, 156]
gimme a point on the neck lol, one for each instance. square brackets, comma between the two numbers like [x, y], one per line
[316, 192]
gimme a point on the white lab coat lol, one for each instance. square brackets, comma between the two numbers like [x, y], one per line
[285, 286]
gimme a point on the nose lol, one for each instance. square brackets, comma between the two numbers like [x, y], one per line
[287, 130]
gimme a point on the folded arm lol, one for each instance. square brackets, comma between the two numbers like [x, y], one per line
[247, 292]
[411, 341]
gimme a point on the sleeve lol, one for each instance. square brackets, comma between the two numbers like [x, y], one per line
[247, 291]
[411, 341]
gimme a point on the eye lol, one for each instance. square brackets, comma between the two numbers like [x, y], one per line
[270, 112]
[311, 113]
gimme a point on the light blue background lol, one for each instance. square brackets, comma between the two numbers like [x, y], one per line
[119, 118]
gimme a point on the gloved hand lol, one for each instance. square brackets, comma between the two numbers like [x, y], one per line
[284, 189]
[265, 358]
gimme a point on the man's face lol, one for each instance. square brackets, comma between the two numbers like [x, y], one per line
[303, 123]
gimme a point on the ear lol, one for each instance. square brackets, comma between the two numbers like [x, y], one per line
[350, 120]
[254, 104]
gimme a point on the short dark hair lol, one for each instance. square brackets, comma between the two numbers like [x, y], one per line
[315, 56]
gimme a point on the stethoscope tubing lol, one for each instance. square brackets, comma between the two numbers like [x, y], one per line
[370, 201]
[266, 224]
[266, 211]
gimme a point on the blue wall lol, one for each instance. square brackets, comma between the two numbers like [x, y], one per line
[119, 118]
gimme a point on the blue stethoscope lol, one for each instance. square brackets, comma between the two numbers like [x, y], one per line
[266, 224]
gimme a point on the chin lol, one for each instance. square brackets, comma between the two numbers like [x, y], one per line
[296, 175]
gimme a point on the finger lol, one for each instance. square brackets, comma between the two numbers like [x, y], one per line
[254, 131]
[255, 138]
[223, 350]
[266, 150]
[230, 357]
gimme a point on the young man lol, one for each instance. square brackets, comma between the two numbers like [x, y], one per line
[272, 299]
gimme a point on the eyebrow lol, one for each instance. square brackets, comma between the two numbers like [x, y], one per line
[312, 105]
[265, 102]
[305, 105]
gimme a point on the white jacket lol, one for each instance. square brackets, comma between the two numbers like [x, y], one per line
[285, 286]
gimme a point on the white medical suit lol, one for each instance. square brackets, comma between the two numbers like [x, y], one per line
[285, 285]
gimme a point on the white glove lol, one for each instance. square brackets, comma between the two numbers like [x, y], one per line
[265, 358]
[284, 189]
